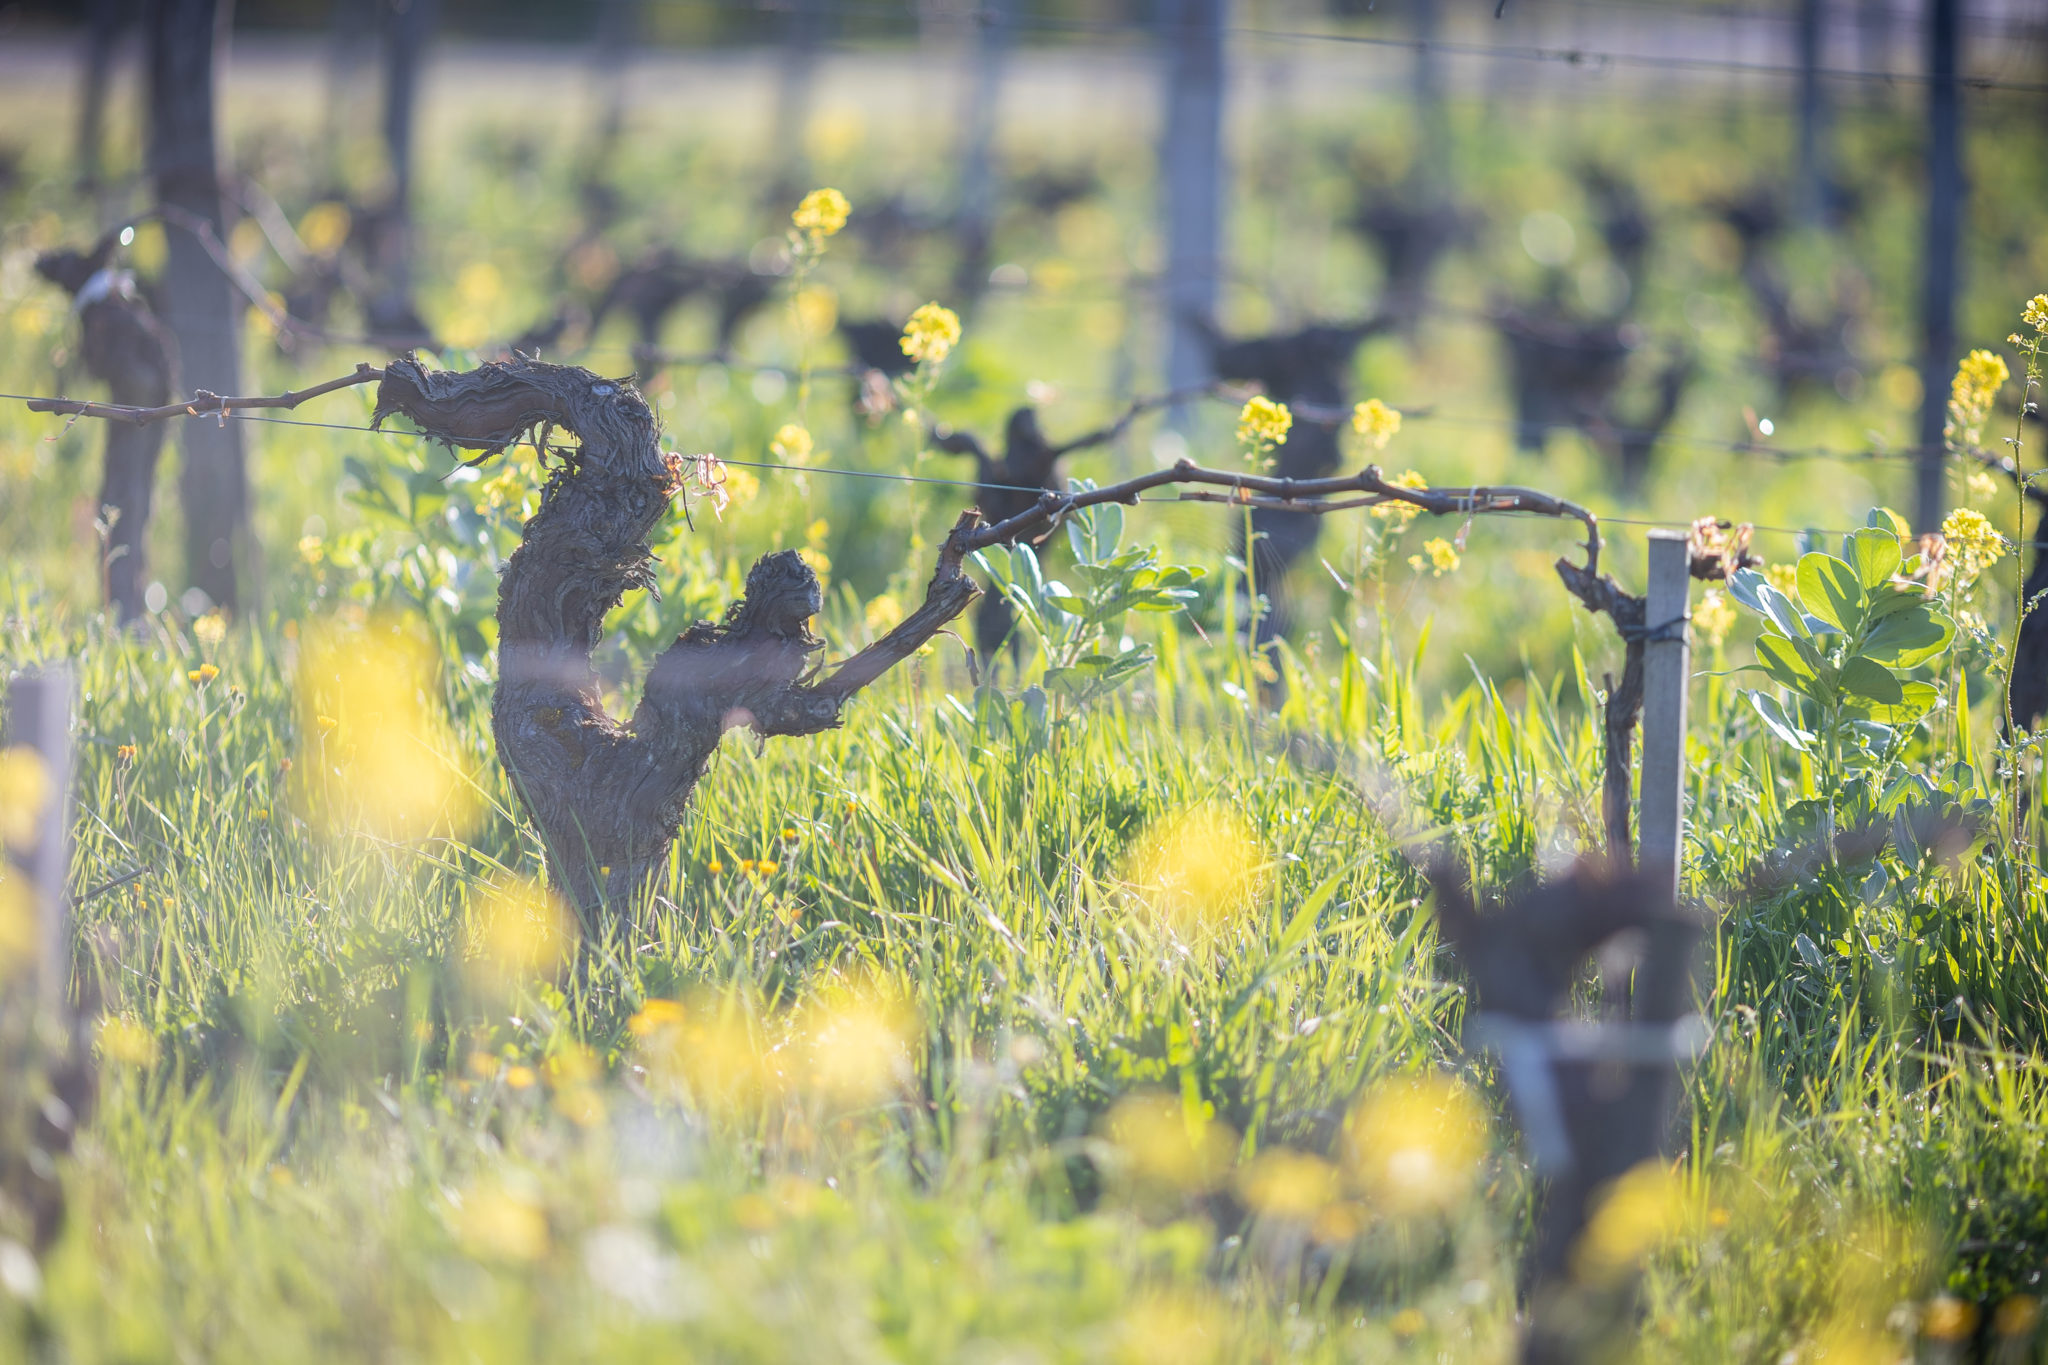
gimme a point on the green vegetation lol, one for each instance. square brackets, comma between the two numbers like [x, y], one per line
[1081, 1015]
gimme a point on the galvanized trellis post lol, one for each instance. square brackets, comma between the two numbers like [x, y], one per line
[1667, 668]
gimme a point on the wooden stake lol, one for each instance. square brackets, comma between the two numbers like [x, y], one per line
[39, 720]
[1667, 668]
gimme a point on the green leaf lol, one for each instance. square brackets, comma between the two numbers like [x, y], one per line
[1875, 553]
[1783, 612]
[1866, 678]
[1831, 590]
[1777, 721]
[1885, 519]
[1783, 663]
[1906, 638]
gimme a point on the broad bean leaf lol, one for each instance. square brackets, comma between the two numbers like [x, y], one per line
[1907, 637]
[1830, 589]
[1875, 554]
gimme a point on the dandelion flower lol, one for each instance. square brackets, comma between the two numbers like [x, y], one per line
[715, 868]
[519, 1077]
[202, 675]
[125, 753]
[822, 213]
[1263, 423]
[931, 334]
[1375, 421]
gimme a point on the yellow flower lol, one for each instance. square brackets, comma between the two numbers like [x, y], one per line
[1376, 422]
[1397, 515]
[1263, 423]
[1416, 1145]
[2036, 314]
[1442, 558]
[2018, 1315]
[1713, 618]
[1785, 578]
[1972, 543]
[1163, 1147]
[822, 213]
[715, 868]
[1408, 1322]
[654, 1016]
[202, 675]
[789, 834]
[931, 334]
[125, 753]
[1948, 1319]
[127, 1042]
[519, 1077]
[1978, 379]
[766, 866]
[210, 629]
[497, 1224]
[792, 444]
[1197, 868]
[1981, 485]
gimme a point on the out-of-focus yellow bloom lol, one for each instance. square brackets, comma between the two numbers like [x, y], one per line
[882, 615]
[1438, 556]
[789, 835]
[708, 1051]
[1783, 577]
[821, 214]
[1288, 1184]
[792, 444]
[1163, 1148]
[202, 675]
[1376, 422]
[1408, 1322]
[493, 1223]
[126, 1042]
[124, 753]
[397, 772]
[1640, 1212]
[856, 1045]
[1713, 618]
[519, 932]
[1195, 868]
[2018, 1315]
[483, 1063]
[1948, 1319]
[312, 549]
[25, 795]
[2036, 314]
[1415, 1144]
[1980, 485]
[1263, 424]
[931, 334]
[817, 310]
[210, 629]
[715, 868]
[1172, 1329]
[325, 227]
[767, 867]
[654, 1016]
[1971, 393]
[1971, 544]
[520, 1077]
[19, 934]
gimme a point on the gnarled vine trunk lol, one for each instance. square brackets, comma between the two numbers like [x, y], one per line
[607, 795]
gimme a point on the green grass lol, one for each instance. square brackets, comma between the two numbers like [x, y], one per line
[327, 1130]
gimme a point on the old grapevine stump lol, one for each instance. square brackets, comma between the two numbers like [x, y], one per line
[607, 795]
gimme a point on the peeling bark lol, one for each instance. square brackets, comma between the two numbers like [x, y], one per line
[608, 796]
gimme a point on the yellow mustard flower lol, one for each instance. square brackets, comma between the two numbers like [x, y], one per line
[1975, 388]
[1442, 557]
[1399, 514]
[1785, 578]
[931, 334]
[1713, 618]
[1972, 543]
[822, 213]
[1375, 421]
[1981, 485]
[792, 444]
[1263, 423]
[2036, 314]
